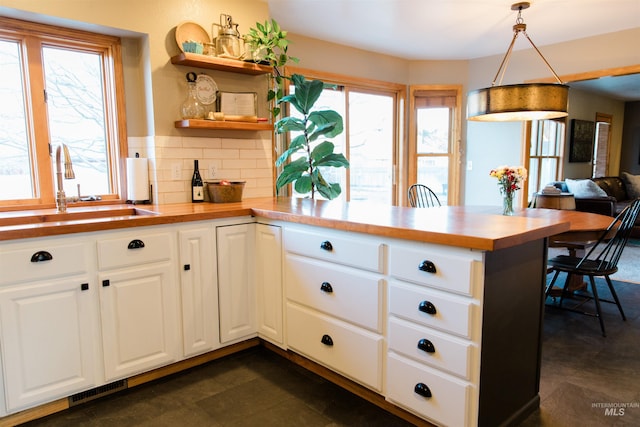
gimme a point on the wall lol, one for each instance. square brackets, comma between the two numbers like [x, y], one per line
[584, 106]
[630, 157]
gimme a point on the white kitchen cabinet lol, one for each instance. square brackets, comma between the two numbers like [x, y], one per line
[433, 362]
[236, 282]
[268, 278]
[198, 286]
[139, 301]
[334, 301]
[48, 321]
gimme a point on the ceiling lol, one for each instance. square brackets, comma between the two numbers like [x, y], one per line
[459, 29]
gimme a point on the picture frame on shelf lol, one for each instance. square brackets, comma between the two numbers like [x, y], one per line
[238, 103]
[581, 141]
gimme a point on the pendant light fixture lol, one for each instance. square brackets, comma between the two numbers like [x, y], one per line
[519, 102]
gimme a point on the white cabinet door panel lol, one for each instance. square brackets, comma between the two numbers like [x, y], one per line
[47, 338]
[269, 282]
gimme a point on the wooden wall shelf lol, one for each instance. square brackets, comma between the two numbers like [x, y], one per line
[222, 125]
[220, 64]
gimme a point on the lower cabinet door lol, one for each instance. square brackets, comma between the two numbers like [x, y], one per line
[47, 341]
[438, 397]
[354, 352]
[139, 319]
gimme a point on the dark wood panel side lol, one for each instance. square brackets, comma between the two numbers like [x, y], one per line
[512, 333]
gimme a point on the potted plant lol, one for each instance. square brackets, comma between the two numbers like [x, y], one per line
[269, 45]
[314, 150]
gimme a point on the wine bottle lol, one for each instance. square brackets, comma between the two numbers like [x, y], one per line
[197, 187]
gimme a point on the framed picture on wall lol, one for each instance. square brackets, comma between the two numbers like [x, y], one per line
[582, 134]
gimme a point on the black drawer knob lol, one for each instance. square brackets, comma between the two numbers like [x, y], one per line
[422, 390]
[136, 244]
[326, 287]
[105, 283]
[326, 340]
[426, 345]
[427, 266]
[187, 267]
[326, 245]
[84, 287]
[41, 256]
[427, 307]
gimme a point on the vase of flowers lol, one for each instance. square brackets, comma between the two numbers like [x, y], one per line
[509, 180]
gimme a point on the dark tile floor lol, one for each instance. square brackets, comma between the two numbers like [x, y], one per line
[581, 371]
[253, 388]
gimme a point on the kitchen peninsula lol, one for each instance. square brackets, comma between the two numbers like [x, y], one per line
[435, 311]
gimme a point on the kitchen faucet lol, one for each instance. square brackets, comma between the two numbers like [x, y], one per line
[61, 198]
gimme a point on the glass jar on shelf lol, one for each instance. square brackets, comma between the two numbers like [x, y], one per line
[191, 107]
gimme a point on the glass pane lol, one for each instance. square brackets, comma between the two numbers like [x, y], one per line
[16, 178]
[333, 100]
[371, 147]
[434, 173]
[433, 131]
[76, 113]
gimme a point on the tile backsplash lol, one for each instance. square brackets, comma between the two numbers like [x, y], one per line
[171, 164]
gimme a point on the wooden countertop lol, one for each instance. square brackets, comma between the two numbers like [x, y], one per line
[473, 227]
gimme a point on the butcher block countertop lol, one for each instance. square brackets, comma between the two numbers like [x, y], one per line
[475, 227]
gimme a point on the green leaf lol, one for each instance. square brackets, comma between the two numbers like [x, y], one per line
[330, 191]
[336, 160]
[325, 129]
[303, 184]
[297, 144]
[307, 92]
[291, 172]
[289, 124]
[328, 116]
[322, 149]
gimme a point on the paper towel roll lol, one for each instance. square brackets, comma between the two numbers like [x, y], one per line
[137, 179]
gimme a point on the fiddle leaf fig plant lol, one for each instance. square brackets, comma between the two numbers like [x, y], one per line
[269, 44]
[313, 151]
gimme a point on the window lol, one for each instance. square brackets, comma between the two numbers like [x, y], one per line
[433, 144]
[545, 153]
[59, 87]
[370, 140]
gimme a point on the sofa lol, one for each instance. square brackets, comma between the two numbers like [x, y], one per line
[609, 196]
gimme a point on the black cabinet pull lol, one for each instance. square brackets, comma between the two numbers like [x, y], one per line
[427, 307]
[187, 267]
[84, 287]
[326, 287]
[426, 345]
[422, 390]
[136, 244]
[105, 283]
[326, 245]
[326, 340]
[427, 266]
[41, 256]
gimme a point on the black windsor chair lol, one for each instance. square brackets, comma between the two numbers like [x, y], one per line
[421, 196]
[604, 264]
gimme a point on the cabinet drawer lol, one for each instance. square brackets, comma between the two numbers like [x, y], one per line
[340, 248]
[347, 293]
[435, 348]
[452, 401]
[437, 267]
[134, 249]
[354, 352]
[452, 314]
[19, 263]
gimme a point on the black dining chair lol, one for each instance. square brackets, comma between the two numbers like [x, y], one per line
[421, 196]
[600, 261]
